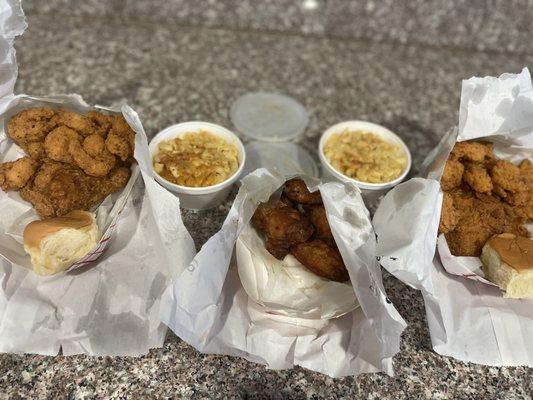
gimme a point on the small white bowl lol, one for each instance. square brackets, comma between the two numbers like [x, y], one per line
[198, 198]
[373, 190]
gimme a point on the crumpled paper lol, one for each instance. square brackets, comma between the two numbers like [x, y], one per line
[467, 315]
[208, 308]
[108, 307]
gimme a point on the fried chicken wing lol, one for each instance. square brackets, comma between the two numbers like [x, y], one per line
[263, 210]
[15, 174]
[59, 188]
[56, 144]
[453, 175]
[318, 217]
[296, 190]
[286, 226]
[321, 259]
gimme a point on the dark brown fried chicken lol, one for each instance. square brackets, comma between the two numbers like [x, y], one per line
[322, 259]
[296, 190]
[70, 165]
[307, 235]
[483, 196]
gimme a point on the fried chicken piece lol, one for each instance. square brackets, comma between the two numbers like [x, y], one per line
[479, 216]
[263, 210]
[286, 226]
[59, 188]
[92, 157]
[473, 151]
[477, 178]
[508, 178]
[319, 219]
[296, 190]
[448, 218]
[16, 174]
[56, 144]
[120, 140]
[453, 175]
[321, 259]
[29, 128]
[101, 122]
[277, 250]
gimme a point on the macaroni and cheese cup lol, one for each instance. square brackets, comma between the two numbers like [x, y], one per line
[198, 198]
[371, 191]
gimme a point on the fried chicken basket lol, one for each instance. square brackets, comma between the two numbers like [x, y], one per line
[13, 223]
[468, 317]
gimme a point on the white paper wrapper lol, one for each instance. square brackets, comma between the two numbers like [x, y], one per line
[208, 307]
[468, 317]
[107, 307]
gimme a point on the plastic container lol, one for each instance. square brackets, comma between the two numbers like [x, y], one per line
[369, 190]
[199, 198]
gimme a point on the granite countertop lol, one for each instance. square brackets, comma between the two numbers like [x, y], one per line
[399, 64]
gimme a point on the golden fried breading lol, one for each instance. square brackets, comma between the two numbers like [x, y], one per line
[15, 174]
[319, 219]
[79, 123]
[321, 259]
[29, 128]
[120, 140]
[448, 219]
[477, 178]
[493, 196]
[296, 190]
[92, 157]
[59, 188]
[473, 151]
[101, 122]
[453, 174]
[56, 143]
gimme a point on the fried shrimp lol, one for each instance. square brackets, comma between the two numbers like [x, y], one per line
[120, 140]
[15, 174]
[78, 122]
[29, 128]
[101, 122]
[92, 157]
[56, 144]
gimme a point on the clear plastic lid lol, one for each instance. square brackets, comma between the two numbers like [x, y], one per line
[285, 158]
[270, 117]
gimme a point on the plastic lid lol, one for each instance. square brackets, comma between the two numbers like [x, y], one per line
[285, 158]
[270, 117]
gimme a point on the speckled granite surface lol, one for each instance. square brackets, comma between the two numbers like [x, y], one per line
[191, 65]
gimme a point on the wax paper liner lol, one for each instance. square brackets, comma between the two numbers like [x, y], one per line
[468, 317]
[208, 307]
[109, 307]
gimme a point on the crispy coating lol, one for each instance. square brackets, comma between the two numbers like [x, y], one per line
[448, 219]
[120, 140]
[318, 217]
[263, 210]
[287, 226]
[56, 144]
[322, 259]
[477, 177]
[15, 174]
[79, 123]
[296, 190]
[29, 128]
[453, 174]
[100, 122]
[92, 157]
[493, 196]
[473, 151]
[59, 188]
